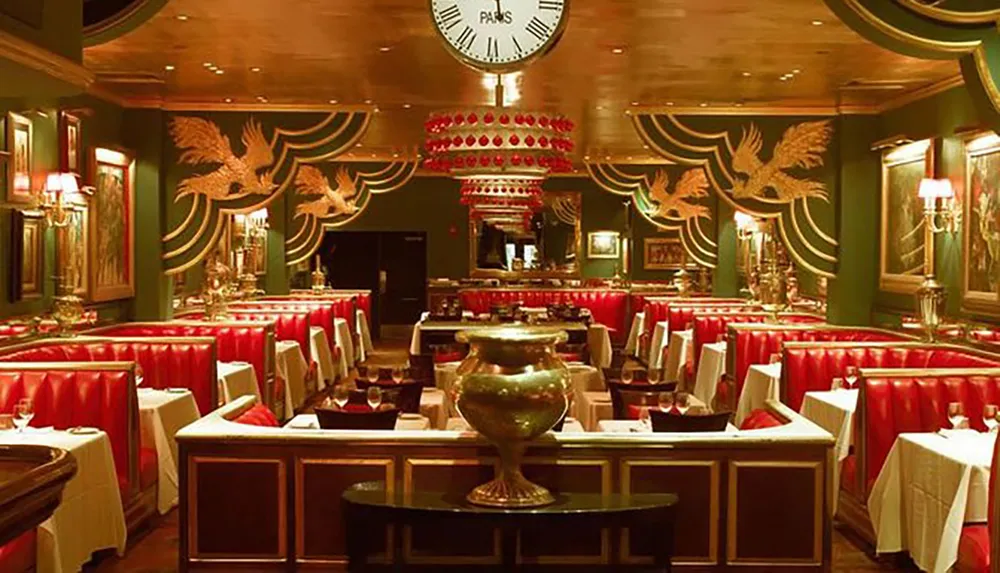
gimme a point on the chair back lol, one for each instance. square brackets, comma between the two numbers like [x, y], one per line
[421, 369]
[670, 422]
[330, 419]
[615, 374]
[624, 395]
[405, 396]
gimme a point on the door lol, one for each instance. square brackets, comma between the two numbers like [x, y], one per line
[350, 260]
[403, 276]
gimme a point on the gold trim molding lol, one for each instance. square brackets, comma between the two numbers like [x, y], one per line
[39, 59]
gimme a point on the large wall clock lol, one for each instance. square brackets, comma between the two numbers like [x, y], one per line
[499, 36]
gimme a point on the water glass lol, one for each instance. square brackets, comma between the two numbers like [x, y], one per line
[626, 375]
[774, 359]
[851, 376]
[665, 400]
[682, 401]
[24, 411]
[645, 424]
[990, 417]
[397, 374]
[340, 395]
[955, 414]
[653, 376]
[372, 374]
[838, 384]
[374, 395]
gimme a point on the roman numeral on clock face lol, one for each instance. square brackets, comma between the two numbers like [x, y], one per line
[450, 16]
[538, 29]
[550, 5]
[492, 49]
[517, 46]
[466, 38]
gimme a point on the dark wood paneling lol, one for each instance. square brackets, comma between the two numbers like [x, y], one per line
[450, 476]
[239, 507]
[566, 476]
[768, 527]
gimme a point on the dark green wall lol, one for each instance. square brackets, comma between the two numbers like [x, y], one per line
[56, 25]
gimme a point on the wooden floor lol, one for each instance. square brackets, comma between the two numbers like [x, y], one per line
[154, 549]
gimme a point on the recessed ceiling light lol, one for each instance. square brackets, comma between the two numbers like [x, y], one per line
[182, 17]
[817, 22]
[208, 65]
[600, 108]
[406, 106]
[747, 74]
[586, 158]
[333, 102]
[368, 102]
[783, 78]
[738, 104]
[635, 103]
[629, 158]
[669, 103]
[229, 100]
[261, 99]
[395, 154]
[384, 49]
[377, 110]
[169, 67]
[617, 51]
[255, 69]
[703, 104]
[644, 146]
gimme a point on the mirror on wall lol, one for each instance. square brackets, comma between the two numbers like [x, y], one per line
[501, 245]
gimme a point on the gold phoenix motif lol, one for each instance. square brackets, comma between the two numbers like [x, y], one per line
[801, 146]
[204, 143]
[340, 201]
[692, 185]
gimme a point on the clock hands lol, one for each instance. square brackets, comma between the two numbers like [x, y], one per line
[499, 12]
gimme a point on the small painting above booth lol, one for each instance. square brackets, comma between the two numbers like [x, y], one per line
[603, 245]
[981, 231]
[902, 245]
[663, 254]
[112, 208]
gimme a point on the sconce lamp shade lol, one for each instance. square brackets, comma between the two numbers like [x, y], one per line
[61, 183]
[259, 216]
[935, 189]
[22, 182]
[744, 222]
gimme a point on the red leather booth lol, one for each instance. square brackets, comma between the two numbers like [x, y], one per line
[321, 313]
[679, 311]
[607, 306]
[362, 299]
[813, 365]
[288, 324]
[252, 343]
[98, 393]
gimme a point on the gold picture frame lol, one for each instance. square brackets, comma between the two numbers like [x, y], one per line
[70, 143]
[20, 139]
[663, 254]
[903, 249]
[603, 245]
[981, 231]
[27, 263]
[111, 267]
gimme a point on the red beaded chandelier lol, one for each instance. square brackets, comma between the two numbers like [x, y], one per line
[501, 155]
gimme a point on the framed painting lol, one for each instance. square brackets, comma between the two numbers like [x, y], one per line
[981, 231]
[27, 255]
[663, 254]
[259, 254]
[78, 245]
[69, 143]
[20, 137]
[902, 248]
[111, 267]
[603, 245]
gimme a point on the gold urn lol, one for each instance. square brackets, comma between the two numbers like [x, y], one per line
[512, 388]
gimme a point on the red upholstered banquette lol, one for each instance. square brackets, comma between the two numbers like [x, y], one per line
[607, 306]
[679, 312]
[749, 344]
[288, 324]
[321, 312]
[813, 365]
[252, 343]
[708, 326]
[99, 394]
[18, 555]
[974, 545]
[362, 298]
[165, 362]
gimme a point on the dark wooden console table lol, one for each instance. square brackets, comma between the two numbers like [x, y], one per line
[367, 508]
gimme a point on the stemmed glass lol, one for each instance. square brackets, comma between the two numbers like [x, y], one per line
[645, 424]
[653, 376]
[665, 400]
[372, 374]
[24, 411]
[990, 417]
[955, 414]
[851, 376]
[340, 395]
[397, 374]
[138, 374]
[838, 384]
[682, 401]
[626, 375]
[775, 358]
[374, 396]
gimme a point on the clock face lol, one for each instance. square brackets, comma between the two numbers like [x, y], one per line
[499, 35]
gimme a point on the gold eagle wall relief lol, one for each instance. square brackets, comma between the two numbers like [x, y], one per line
[227, 163]
[311, 182]
[794, 186]
[693, 184]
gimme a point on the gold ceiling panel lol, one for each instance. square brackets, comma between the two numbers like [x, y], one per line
[686, 52]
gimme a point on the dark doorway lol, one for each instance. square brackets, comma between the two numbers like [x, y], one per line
[391, 264]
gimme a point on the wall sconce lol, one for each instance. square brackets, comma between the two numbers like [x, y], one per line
[746, 226]
[251, 229]
[54, 201]
[948, 217]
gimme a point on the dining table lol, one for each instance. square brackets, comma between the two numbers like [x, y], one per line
[711, 365]
[90, 516]
[364, 335]
[658, 342]
[678, 354]
[930, 485]
[763, 383]
[319, 349]
[344, 341]
[236, 379]
[161, 414]
[290, 365]
[833, 410]
[637, 328]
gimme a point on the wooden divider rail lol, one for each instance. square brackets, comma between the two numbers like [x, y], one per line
[757, 499]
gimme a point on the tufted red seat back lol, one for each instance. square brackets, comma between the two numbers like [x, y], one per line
[321, 312]
[708, 326]
[252, 343]
[991, 336]
[911, 401]
[607, 306]
[288, 324]
[813, 366]
[166, 362]
[81, 394]
[658, 309]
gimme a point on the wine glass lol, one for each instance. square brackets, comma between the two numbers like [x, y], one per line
[24, 411]
[665, 400]
[397, 374]
[955, 414]
[138, 374]
[627, 375]
[838, 384]
[682, 401]
[990, 417]
[372, 375]
[645, 424]
[374, 395]
[340, 395]
[653, 376]
[851, 376]
[775, 358]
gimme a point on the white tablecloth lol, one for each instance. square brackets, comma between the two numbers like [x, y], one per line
[364, 335]
[929, 486]
[457, 424]
[319, 349]
[638, 324]
[434, 407]
[656, 345]
[677, 355]
[599, 343]
[90, 516]
[415, 338]
[710, 369]
[763, 383]
[161, 415]
[237, 379]
[410, 422]
[833, 410]
[343, 339]
[290, 365]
